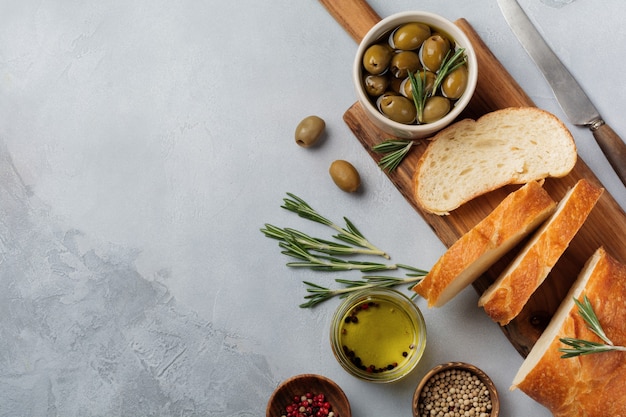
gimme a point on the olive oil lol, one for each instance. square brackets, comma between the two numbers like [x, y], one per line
[378, 336]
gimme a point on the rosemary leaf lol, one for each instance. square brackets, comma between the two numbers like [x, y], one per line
[274, 232]
[317, 294]
[419, 94]
[316, 244]
[352, 228]
[325, 255]
[580, 347]
[302, 209]
[349, 234]
[417, 272]
[390, 145]
[395, 151]
[585, 309]
[449, 64]
[327, 263]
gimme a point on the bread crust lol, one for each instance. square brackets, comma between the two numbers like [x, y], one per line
[506, 297]
[500, 130]
[515, 217]
[590, 385]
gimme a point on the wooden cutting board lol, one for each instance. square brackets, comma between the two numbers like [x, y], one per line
[496, 89]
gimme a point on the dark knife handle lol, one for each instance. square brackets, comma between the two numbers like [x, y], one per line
[613, 147]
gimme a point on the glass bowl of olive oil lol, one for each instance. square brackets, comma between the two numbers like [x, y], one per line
[378, 335]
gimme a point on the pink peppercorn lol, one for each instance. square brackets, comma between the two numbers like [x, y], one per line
[309, 405]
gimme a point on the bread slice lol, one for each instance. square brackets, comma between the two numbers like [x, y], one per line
[506, 297]
[509, 146]
[591, 385]
[515, 217]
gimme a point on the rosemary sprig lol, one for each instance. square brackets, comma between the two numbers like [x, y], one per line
[316, 244]
[327, 263]
[349, 234]
[394, 150]
[449, 64]
[418, 84]
[318, 294]
[586, 347]
[419, 93]
[321, 254]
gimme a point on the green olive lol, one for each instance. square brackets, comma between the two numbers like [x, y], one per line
[395, 84]
[376, 58]
[412, 48]
[375, 85]
[435, 108]
[345, 175]
[428, 80]
[398, 108]
[433, 51]
[309, 130]
[404, 61]
[410, 36]
[453, 86]
[443, 35]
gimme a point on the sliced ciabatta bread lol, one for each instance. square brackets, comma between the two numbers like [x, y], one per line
[478, 249]
[508, 146]
[591, 385]
[506, 297]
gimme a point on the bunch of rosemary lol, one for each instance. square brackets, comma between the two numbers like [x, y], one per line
[585, 347]
[333, 255]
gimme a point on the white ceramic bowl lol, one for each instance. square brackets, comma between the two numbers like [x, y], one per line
[414, 131]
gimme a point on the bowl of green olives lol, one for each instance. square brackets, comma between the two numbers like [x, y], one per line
[414, 73]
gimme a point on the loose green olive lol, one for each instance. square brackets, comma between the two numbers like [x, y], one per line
[404, 61]
[453, 86]
[433, 51]
[428, 80]
[376, 58]
[398, 108]
[435, 108]
[410, 36]
[375, 85]
[309, 130]
[345, 175]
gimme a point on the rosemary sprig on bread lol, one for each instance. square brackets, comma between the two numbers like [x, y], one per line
[585, 347]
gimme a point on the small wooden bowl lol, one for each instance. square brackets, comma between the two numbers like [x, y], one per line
[300, 385]
[493, 392]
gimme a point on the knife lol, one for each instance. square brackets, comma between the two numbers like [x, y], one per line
[575, 104]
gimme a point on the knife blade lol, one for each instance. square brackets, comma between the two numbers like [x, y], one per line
[573, 100]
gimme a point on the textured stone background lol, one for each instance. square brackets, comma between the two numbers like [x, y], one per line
[143, 144]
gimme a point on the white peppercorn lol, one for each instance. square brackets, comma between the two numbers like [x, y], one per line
[454, 393]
